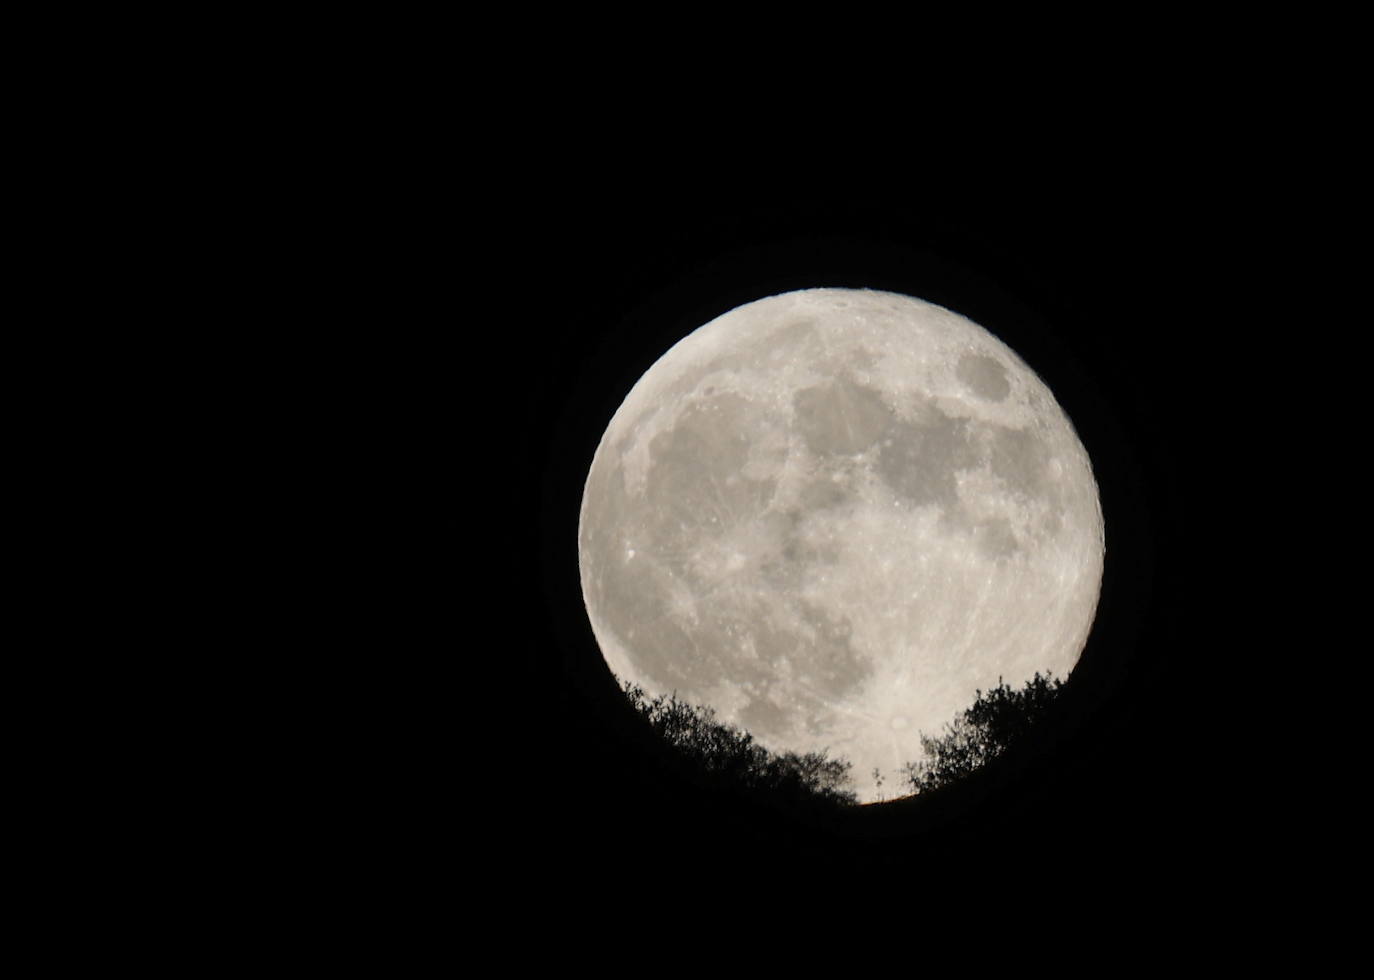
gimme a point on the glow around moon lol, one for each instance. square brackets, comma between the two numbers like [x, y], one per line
[833, 515]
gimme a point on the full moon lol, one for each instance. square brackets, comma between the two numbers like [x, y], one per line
[833, 516]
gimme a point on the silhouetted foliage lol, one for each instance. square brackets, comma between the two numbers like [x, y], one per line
[997, 720]
[731, 759]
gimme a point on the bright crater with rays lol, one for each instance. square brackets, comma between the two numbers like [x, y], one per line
[833, 515]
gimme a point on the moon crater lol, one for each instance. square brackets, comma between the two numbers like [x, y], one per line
[984, 376]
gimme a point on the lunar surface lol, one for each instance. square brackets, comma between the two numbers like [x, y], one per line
[833, 516]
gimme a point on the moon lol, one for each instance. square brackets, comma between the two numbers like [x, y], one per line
[833, 516]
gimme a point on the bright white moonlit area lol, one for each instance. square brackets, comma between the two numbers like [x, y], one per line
[833, 516]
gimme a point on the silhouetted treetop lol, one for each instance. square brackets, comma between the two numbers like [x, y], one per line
[997, 720]
[731, 759]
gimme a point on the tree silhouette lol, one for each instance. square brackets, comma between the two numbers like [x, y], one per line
[732, 761]
[997, 720]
